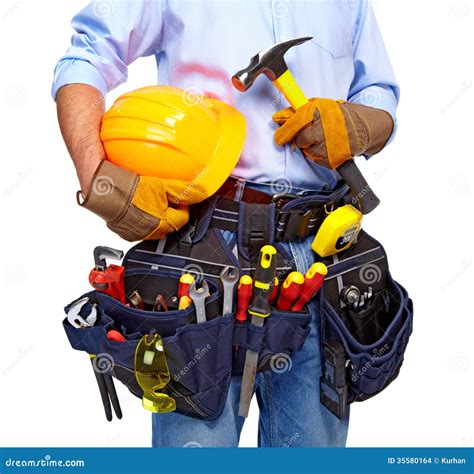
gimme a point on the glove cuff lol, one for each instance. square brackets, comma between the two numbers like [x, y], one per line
[111, 191]
[369, 128]
[110, 197]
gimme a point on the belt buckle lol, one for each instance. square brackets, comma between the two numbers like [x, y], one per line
[278, 198]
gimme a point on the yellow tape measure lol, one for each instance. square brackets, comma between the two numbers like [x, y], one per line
[338, 231]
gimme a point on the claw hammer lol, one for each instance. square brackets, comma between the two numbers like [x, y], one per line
[271, 62]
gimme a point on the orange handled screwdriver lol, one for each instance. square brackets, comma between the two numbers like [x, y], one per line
[184, 302]
[290, 291]
[313, 281]
[274, 293]
[185, 282]
[244, 293]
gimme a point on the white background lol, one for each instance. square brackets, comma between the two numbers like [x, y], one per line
[424, 179]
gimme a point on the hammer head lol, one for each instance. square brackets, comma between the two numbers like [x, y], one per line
[270, 62]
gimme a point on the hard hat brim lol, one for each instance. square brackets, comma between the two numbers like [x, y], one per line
[228, 150]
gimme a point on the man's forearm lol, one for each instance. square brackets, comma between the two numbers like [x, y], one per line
[80, 108]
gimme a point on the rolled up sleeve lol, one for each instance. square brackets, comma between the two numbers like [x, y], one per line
[374, 82]
[109, 36]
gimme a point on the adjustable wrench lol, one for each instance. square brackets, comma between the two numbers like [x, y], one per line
[78, 321]
[199, 299]
[229, 277]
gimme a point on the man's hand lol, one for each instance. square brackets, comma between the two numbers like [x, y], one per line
[80, 108]
[140, 207]
[331, 132]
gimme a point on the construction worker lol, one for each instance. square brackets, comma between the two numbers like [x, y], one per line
[198, 46]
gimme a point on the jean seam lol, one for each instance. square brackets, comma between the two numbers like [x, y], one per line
[271, 417]
[299, 263]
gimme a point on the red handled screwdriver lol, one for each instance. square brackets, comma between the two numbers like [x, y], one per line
[290, 291]
[313, 281]
[244, 293]
[185, 281]
[274, 293]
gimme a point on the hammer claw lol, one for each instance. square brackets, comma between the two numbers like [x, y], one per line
[270, 62]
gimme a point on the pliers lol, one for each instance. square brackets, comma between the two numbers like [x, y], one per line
[100, 366]
[101, 363]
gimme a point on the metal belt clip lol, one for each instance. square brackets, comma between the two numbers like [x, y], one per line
[296, 223]
[281, 198]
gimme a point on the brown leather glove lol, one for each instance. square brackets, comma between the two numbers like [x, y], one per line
[140, 207]
[331, 132]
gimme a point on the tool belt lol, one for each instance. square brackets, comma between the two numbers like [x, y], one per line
[259, 218]
[363, 349]
[202, 357]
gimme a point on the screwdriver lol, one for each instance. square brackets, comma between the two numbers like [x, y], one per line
[274, 293]
[184, 302]
[260, 309]
[290, 291]
[185, 281]
[313, 281]
[244, 293]
[116, 336]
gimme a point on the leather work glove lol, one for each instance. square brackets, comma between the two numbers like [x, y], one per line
[331, 132]
[139, 207]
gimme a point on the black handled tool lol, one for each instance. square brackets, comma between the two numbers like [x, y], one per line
[260, 309]
[108, 394]
[333, 393]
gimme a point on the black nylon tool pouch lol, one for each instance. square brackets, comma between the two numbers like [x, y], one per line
[363, 349]
[199, 356]
[283, 333]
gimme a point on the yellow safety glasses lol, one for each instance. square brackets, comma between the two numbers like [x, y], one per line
[152, 374]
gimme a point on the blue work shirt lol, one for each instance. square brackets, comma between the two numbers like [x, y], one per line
[200, 44]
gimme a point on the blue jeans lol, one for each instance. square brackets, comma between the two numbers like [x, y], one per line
[291, 414]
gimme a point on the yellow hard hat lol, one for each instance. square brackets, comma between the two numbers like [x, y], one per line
[170, 133]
